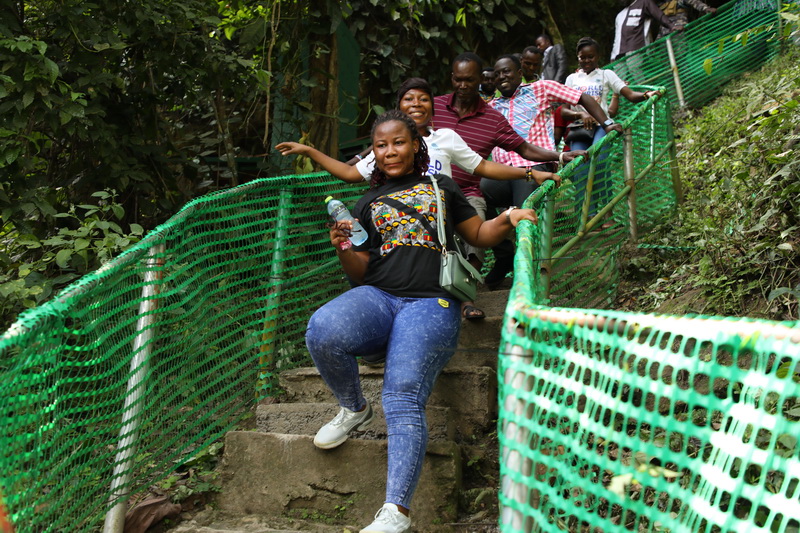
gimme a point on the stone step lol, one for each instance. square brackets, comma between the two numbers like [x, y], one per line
[307, 418]
[469, 392]
[480, 334]
[214, 521]
[493, 303]
[280, 475]
[471, 357]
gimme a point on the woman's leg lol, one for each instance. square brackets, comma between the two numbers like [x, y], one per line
[423, 339]
[357, 322]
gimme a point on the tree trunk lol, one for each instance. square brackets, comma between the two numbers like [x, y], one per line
[324, 69]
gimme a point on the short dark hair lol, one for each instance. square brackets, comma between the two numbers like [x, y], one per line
[584, 42]
[487, 69]
[421, 157]
[543, 36]
[469, 57]
[512, 57]
[532, 50]
[413, 83]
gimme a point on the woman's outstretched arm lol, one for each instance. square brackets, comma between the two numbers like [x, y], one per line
[497, 171]
[488, 233]
[338, 169]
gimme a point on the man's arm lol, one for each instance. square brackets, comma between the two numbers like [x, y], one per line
[652, 9]
[531, 152]
[700, 6]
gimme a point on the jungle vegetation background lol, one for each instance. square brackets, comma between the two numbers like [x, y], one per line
[110, 112]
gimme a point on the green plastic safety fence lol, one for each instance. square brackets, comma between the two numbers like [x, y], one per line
[696, 63]
[616, 421]
[128, 372]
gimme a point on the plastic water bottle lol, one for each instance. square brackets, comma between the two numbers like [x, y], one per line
[340, 212]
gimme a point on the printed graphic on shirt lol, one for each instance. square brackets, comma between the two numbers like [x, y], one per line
[435, 165]
[594, 90]
[403, 229]
[634, 17]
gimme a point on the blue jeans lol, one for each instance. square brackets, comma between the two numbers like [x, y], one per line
[419, 336]
[600, 188]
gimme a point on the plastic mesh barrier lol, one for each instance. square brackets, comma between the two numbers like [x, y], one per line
[167, 343]
[614, 421]
[686, 79]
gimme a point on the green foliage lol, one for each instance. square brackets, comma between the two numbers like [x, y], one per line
[741, 220]
[196, 477]
[32, 268]
[404, 39]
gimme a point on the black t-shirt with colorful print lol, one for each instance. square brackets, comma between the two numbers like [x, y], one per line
[404, 257]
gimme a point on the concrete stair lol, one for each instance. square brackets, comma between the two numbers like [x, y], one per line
[275, 480]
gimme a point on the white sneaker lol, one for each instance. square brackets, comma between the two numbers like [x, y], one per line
[389, 519]
[335, 432]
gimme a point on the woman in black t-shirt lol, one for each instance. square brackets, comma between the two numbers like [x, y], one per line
[398, 306]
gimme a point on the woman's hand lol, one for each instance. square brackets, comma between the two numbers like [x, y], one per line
[518, 215]
[340, 234]
[588, 121]
[292, 148]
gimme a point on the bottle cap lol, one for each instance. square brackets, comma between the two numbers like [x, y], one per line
[328, 199]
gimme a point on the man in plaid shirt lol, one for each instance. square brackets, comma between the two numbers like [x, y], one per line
[528, 108]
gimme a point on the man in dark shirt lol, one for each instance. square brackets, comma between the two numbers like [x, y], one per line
[483, 129]
[632, 26]
[554, 62]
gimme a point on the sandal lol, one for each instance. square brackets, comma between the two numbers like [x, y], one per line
[470, 312]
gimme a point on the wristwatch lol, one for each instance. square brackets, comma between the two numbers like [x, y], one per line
[608, 122]
[508, 215]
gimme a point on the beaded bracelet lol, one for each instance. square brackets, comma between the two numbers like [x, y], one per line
[529, 173]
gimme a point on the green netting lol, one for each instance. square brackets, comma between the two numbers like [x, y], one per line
[699, 44]
[173, 341]
[616, 421]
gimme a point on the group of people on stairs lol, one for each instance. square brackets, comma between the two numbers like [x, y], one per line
[473, 155]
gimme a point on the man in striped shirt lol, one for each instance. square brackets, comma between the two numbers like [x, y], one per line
[528, 108]
[483, 129]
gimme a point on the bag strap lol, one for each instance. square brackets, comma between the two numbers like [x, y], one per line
[440, 217]
[408, 210]
[461, 255]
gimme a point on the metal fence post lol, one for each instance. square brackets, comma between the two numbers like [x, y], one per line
[516, 404]
[674, 65]
[627, 150]
[546, 221]
[137, 384]
[266, 360]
